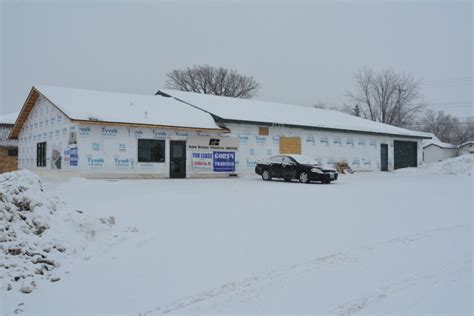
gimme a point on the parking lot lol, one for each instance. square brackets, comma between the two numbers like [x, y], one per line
[374, 242]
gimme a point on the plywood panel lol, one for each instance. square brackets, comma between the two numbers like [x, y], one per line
[263, 131]
[290, 145]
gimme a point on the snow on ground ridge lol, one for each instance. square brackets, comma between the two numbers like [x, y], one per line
[462, 165]
[39, 233]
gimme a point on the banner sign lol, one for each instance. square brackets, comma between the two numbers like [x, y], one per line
[202, 161]
[224, 161]
[212, 153]
[73, 156]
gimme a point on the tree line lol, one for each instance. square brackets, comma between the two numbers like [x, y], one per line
[386, 96]
[396, 99]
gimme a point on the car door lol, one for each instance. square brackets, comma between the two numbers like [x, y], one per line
[289, 168]
[276, 167]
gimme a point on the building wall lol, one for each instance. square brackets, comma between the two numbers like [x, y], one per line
[100, 151]
[45, 123]
[360, 151]
[434, 153]
[468, 148]
[112, 151]
[103, 151]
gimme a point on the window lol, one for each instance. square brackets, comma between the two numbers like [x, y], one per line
[13, 152]
[41, 154]
[263, 131]
[276, 159]
[151, 150]
[287, 160]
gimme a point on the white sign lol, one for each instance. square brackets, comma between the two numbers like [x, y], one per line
[202, 161]
[199, 143]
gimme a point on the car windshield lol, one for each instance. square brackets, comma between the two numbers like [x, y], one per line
[304, 160]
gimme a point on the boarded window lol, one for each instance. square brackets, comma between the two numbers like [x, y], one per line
[290, 145]
[151, 150]
[263, 131]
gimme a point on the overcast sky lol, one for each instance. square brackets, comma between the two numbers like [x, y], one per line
[300, 52]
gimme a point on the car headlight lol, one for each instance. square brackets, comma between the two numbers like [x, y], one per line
[316, 170]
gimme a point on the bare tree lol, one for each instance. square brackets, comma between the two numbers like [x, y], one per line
[386, 97]
[446, 127]
[319, 105]
[352, 110]
[211, 80]
[325, 106]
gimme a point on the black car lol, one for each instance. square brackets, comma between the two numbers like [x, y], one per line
[299, 167]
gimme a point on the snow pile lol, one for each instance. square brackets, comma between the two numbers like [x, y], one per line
[462, 165]
[39, 233]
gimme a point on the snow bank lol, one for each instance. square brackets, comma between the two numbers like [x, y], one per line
[462, 165]
[39, 233]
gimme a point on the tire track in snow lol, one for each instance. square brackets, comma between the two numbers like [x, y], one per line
[247, 286]
[242, 285]
[359, 304]
[384, 292]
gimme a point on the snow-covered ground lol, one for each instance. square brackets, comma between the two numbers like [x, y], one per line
[373, 243]
[462, 165]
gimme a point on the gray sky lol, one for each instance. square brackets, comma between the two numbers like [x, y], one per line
[300, 52]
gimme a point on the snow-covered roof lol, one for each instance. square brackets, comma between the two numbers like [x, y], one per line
[82, 104]
[470, 142]
[5, 141]
[436, 142]
[236, 109]
[8, 118]
[111, 107]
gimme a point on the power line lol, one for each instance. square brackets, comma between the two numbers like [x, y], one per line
[452, 102]
[466, 78]
[438, 123]
[446, 82]
[454, 84]
[450, 106]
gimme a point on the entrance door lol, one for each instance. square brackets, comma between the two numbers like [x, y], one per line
[177, 159]
[384, 157]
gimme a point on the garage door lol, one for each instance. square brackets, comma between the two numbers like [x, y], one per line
[405, 154]
[290, 145]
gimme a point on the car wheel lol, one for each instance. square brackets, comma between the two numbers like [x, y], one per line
[304, 177]
[266, 175]
[326, 181]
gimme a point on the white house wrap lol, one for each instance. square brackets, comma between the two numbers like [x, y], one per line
[98, 134]
[179, 134]
[325, 135]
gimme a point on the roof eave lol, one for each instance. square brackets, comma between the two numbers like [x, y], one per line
[25, 111]
[442, 147]
[183, 128]
[321, 128]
